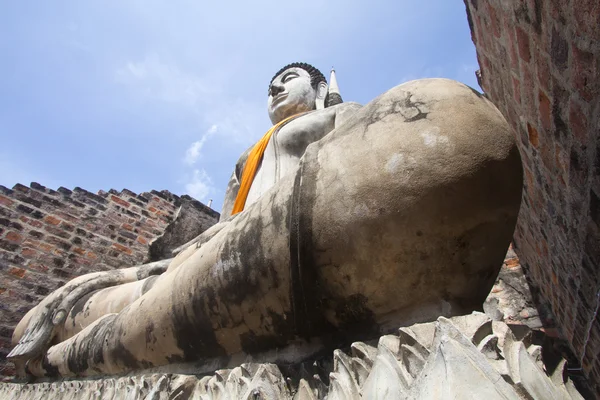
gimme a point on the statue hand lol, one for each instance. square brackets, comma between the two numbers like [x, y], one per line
[53, 310]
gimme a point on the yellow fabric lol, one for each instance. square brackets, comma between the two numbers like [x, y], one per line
[254, 159]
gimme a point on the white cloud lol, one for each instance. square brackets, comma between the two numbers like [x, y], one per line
[200, 185]
[192, 154]
[203, 97]
[164, 81]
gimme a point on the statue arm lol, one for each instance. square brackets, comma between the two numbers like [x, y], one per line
[36, 330]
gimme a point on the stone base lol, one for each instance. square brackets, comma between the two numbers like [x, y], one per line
[466, 357]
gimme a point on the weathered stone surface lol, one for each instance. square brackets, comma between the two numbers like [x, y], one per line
[467, 357]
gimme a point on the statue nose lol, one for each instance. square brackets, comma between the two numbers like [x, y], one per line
[276, 89]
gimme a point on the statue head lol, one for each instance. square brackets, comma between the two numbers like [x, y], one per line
[296, 88]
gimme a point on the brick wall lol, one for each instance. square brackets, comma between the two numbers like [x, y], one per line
[540, 64]
[48, 237]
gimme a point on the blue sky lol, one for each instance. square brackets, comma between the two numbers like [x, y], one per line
[167, 94]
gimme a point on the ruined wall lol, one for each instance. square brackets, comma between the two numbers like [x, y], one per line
[48, 237]
[540, 64]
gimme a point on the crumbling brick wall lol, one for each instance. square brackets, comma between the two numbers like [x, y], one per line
[540, 64]
[48, 237]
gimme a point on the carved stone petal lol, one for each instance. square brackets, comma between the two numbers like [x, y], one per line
[457, 370]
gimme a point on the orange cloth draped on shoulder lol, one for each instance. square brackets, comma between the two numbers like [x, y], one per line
[254, 159]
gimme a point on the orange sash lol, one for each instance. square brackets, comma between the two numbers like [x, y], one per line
[254, 159]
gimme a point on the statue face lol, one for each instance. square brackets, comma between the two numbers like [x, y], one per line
[290, 93]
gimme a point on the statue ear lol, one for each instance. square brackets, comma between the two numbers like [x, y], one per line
[321, 94]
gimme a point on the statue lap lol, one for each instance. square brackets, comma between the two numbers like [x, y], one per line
[401, 215]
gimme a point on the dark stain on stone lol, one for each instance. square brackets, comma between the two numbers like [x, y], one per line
[282, 331]
[277, 215]
[307, 293]
[150, 338]
[407, 107]
[246, 253]
[80, 304]
[355, 317]
[120, 353]
[50, 370]
[149, 283]
[88, 349]
[193, 329]
[174, 359]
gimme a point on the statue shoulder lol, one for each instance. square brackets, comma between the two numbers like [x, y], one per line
[344, 111]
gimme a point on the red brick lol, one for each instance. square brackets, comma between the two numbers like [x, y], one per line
[29, 253]
[120, 201]
[142, 240]
[52, 220]
[91, 255]
[68, 217]
[562, 162]
[494, 20]
[543, 72]
[578, 122]
[478, 22]
[35, 224]
[523, 42]
[516, 90]
[127, 226]
[586, 73]
[18, 272]
[529, 180]
[5, 201]
[545, 111]
[67, 227]
[79, 251]
[533, 135]
[14, 237]
[37, 267]
[586, 14]
[512, 262]
[45, 247]
[512, 47]
[122, 248]
[529, 93]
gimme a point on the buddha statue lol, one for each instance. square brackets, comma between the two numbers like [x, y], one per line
[343, 222]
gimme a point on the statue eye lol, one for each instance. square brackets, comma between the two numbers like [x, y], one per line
[288, 77]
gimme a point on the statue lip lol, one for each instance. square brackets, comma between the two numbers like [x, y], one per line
[279, 97]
